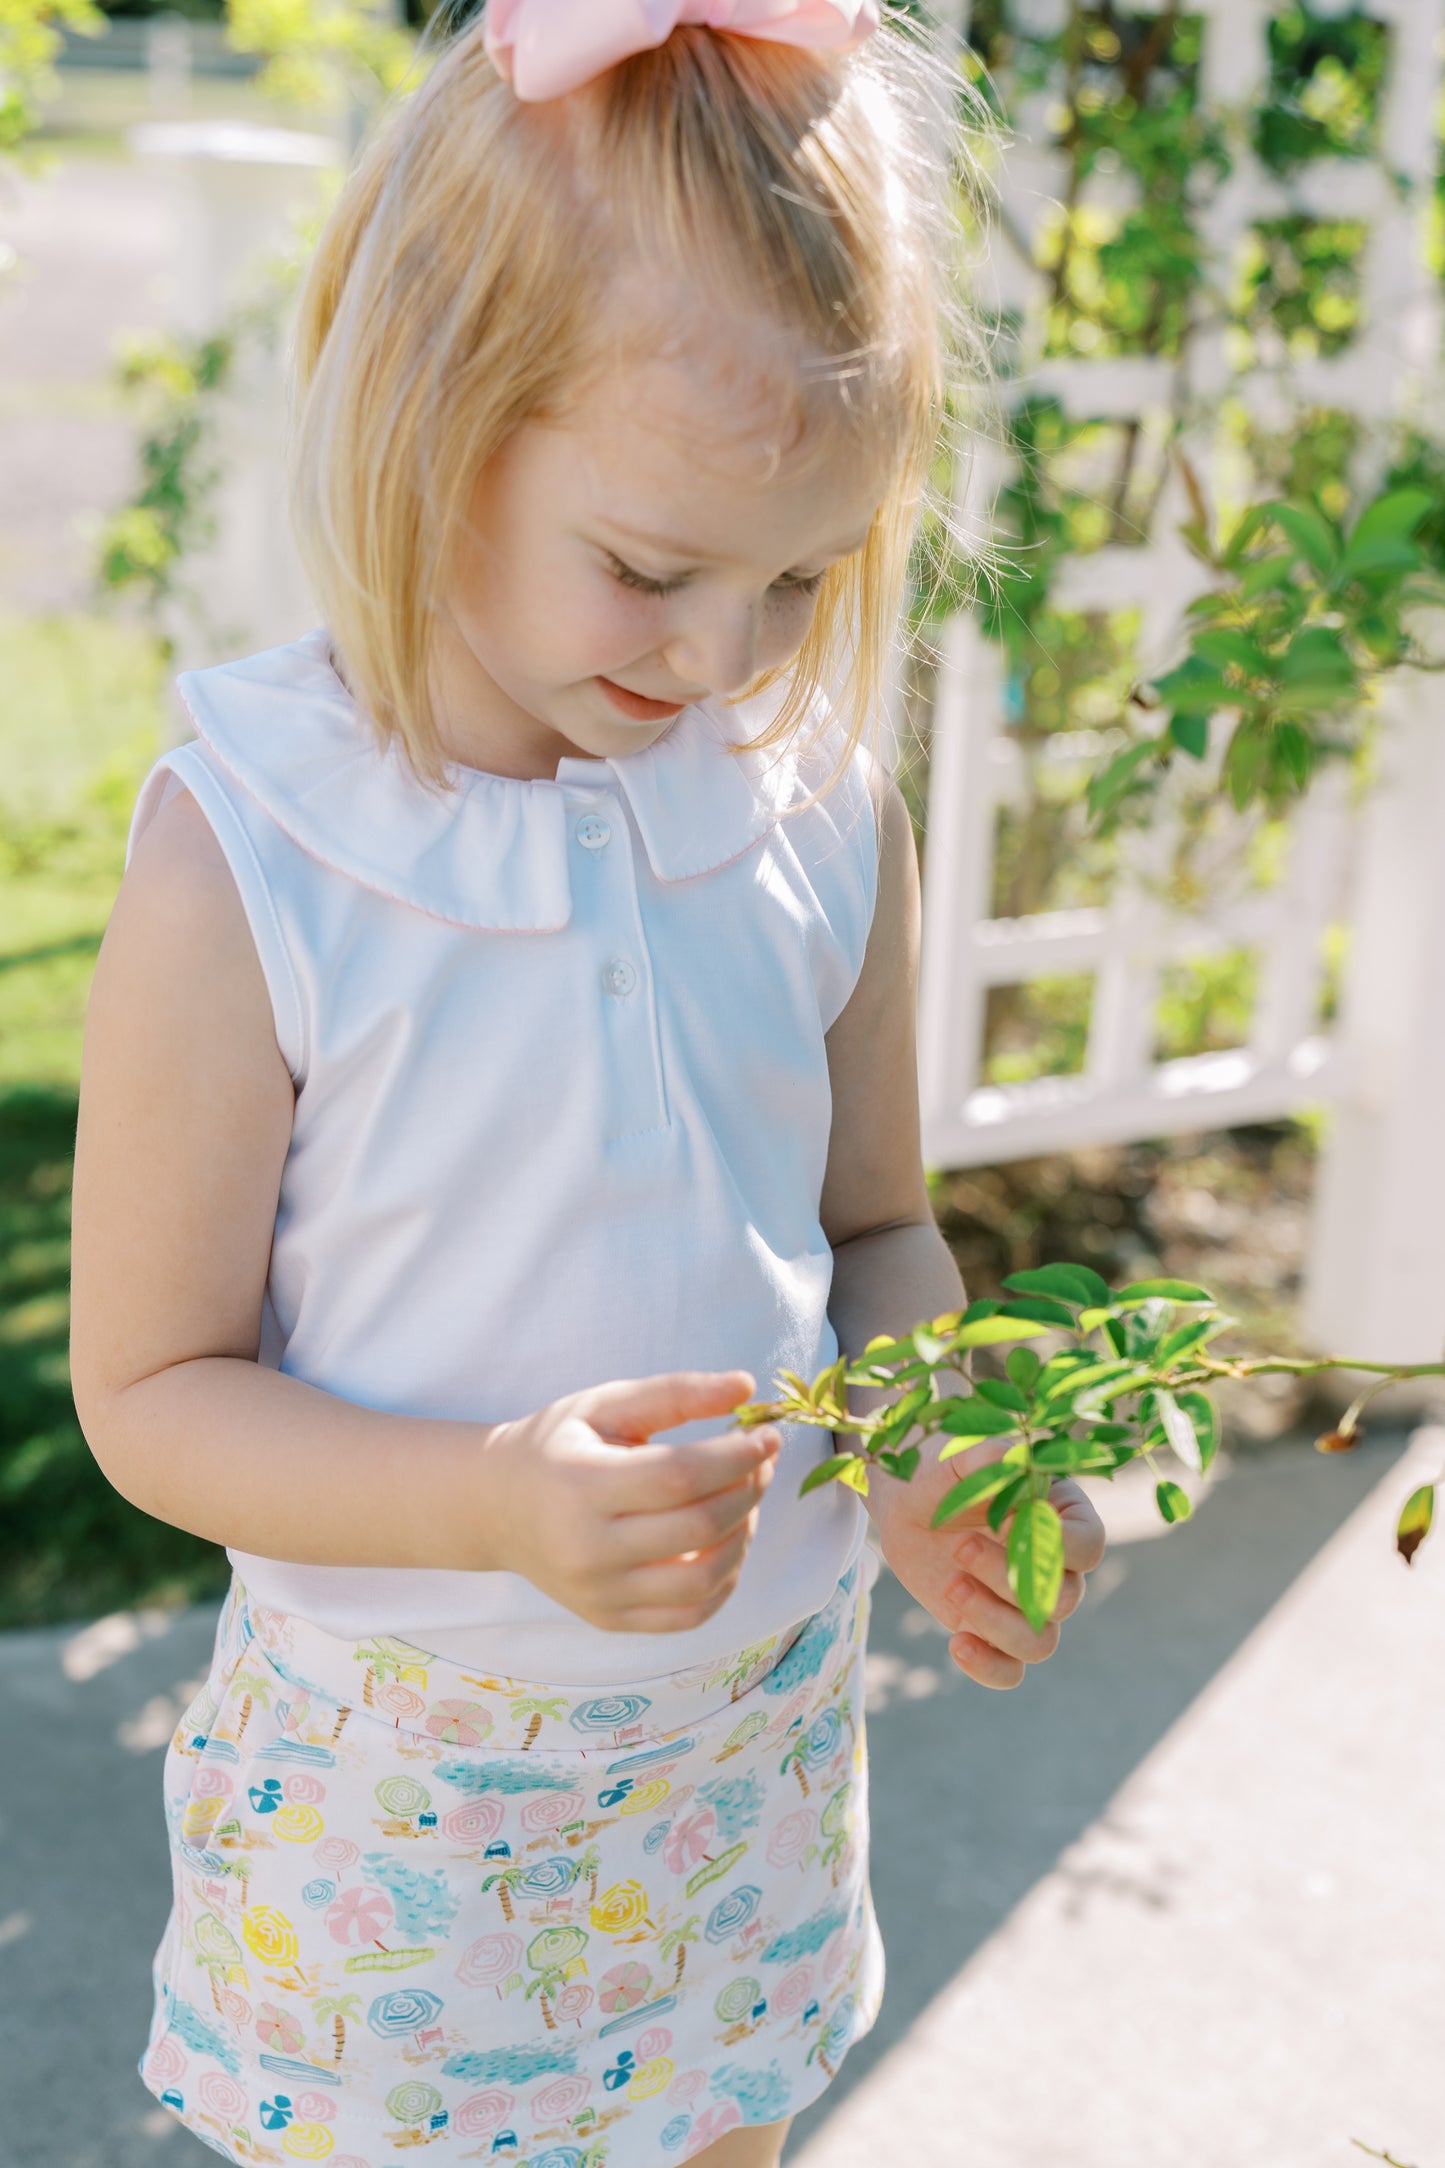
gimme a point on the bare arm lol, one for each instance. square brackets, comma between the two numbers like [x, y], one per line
[185, 1122]
[891, 1268]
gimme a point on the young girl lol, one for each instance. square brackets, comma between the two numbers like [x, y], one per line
[499, 1063]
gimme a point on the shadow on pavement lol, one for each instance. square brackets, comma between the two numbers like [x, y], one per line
[974, 1794]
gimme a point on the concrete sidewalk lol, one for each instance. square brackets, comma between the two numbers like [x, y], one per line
[1178, 1901]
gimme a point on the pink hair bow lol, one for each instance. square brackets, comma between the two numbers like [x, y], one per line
[546, 47]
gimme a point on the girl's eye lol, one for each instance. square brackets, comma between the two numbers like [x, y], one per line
[642, 584]
[627, 576]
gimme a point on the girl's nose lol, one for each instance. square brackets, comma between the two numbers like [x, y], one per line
[718, 648]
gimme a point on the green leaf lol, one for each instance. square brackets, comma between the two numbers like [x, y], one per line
[1094, 1397]
[1311, 533]
[1221, 646]
[1191, 734]
[1185, 1337]
[984, 1307]
[1205, 1417]
[1023, 1366]
[1066, 1283]
[994, 1331]
[929, 1349]
[1315, 660]
[1001, 1393]
[1090, 1320]
[1071, 1456]
[1080, 1376]
[1162, 1291]
[1294, 751]
[1007, 1499]
[901, 1418]
[1398, 512]
[1112, 784]
[970, 1489]
[1194, 688]
[1413, 1525]
[837, 1468]
[1036, 1560]
[1174, 1503]
[903, 1465]
[974, 1418]
[1256, 517]
[1265, 575]
[1178, 1429]
[1040, 1308]
[1244, 763]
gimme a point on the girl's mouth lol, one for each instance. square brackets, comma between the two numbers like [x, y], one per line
[636, 708]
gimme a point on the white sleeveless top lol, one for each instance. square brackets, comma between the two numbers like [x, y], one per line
[562, 1104]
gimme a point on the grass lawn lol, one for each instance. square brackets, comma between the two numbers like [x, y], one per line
[79, 717]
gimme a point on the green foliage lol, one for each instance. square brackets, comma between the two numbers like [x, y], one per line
[69, 1545]
[1305, 615]
[322, 52]
[29, 42]
[1126, 273]
[1326, 77]
[143, 543]
[1127, 1377]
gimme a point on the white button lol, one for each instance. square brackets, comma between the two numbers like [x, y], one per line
[618, 977]
[593, 833]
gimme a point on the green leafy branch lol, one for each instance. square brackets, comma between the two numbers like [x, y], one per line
[1132, 1381]
[30, 39]
[171, 513]
[1306, 619]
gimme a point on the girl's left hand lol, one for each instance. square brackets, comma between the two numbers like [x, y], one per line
[959, 1573]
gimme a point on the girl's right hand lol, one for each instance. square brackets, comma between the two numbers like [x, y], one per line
[631, 1535]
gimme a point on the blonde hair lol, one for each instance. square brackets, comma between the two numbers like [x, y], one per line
[459, 289]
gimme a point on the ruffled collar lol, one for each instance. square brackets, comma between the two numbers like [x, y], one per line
[493, 854]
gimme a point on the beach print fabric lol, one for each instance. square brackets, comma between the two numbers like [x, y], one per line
[416, 1907]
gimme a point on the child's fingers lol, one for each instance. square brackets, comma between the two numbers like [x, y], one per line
[631, 1410]
[997, 1620]
[1084, 1539]
[984, 1663]
[669, 1478]
[642, 1537]
[673, 1583]
[984, 1557]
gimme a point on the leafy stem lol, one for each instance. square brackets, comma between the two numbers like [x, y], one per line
[1127, 1377]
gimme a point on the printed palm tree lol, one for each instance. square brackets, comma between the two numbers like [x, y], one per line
[256, 1689]
[536, 1708]
[338, 2008]
[387, 1660]
[341, 1715]
[242, 1869]
[676, 1940]
[590, 1864]
[793, 1760]
[506, 1879]
[743, 1664]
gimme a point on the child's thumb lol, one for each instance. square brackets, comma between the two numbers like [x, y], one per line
[634, 1409]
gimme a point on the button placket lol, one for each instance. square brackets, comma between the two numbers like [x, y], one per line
[605, 889]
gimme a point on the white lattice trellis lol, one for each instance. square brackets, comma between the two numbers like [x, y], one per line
[1123, 1092]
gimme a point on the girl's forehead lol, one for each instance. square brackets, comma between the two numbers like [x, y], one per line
[691, 436]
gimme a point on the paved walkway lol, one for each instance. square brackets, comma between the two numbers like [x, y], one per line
[1176, 1904]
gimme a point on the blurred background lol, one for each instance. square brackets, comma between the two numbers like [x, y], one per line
[1179, 784]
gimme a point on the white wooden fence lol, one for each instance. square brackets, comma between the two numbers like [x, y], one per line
[1377, 1278]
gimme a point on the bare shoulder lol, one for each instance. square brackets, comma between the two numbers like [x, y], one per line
[178, 932]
